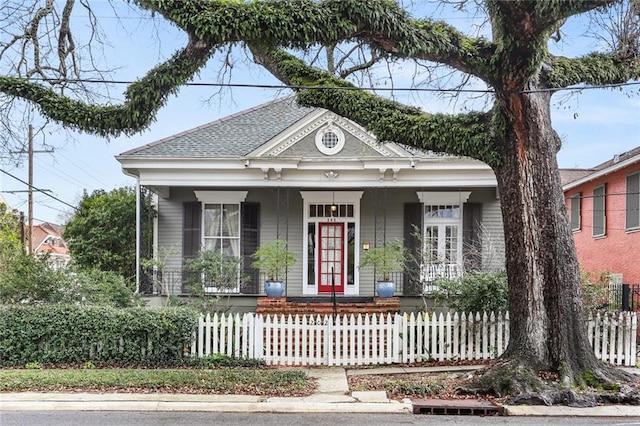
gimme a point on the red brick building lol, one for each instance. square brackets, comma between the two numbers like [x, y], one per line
[604, 213]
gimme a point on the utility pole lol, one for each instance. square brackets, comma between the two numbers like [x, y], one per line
[30, 202]
[30, 151]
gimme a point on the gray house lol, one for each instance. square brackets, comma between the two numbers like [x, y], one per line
[326, 186]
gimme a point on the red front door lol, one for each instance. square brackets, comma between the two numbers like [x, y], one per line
[331, 257]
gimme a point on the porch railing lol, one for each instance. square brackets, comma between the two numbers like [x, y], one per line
[177, 281]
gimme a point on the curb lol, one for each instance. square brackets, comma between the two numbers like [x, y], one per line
[195, 403]
[557, 411]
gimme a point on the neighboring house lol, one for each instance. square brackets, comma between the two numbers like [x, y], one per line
[326, 186]
[604, 213]
[48, 241]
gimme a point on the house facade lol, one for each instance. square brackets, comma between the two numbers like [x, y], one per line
[324, 185]
[48, 243]
[604, 212]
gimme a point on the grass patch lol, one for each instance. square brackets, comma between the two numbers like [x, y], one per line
[223, 381]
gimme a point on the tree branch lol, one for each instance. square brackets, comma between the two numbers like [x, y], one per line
[465, 134]
[142, 99]
[300, 24]
[561, 9]
[594, 69]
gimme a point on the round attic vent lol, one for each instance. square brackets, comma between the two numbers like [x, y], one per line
[330, 140]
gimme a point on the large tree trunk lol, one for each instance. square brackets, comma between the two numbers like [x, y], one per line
[548, 330]
[548, 327]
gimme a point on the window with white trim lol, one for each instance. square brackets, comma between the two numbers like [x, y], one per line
[442, 242]
[221, 229]
[442, 234]
[599, 211]
[633, 202]
[576, 212]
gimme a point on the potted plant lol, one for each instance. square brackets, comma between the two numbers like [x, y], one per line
[385, 260]
[273, 259]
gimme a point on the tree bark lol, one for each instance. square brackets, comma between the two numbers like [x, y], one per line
[548, 326]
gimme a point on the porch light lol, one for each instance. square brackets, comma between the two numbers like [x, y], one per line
[365, 246]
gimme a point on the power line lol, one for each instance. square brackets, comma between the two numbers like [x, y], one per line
[371, 88]
[39, 190]
[600, 196]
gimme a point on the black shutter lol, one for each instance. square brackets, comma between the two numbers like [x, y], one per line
[472, 236]
[250, 240]
[413, 244]
[191, 236]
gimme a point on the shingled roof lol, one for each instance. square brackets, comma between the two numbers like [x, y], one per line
[569, 176]
[232, 136]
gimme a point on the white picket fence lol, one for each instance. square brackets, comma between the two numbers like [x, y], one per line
[387, 339]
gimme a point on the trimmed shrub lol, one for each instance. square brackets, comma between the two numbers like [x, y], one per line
[474, 292]
[102, 335]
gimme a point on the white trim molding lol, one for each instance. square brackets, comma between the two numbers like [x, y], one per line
[221, 197]
[443, 198]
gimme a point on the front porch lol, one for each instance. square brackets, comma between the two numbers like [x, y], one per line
[177, 281]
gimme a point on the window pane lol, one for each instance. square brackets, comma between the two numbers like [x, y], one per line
[212, 244]
[351, 249]
[633, 202]
[311, 253]
[575, 212]
[451, 244]
[599, 217]
[431, 243]
[231, 220]
[212, 218]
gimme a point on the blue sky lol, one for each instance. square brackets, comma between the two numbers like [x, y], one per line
[594, 125]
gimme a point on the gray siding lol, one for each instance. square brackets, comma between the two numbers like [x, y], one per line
[382, 219]
[353, 148]
[492, 230]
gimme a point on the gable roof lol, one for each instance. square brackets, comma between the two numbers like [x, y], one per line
[41, 233]
[232, 136]
[573, 177]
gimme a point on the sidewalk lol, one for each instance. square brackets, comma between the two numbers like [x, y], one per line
[332, 396]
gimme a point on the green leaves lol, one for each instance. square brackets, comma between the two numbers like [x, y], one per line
[102, 234]
[474, 292]
[103, 335]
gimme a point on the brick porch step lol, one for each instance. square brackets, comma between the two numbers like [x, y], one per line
[325, 306]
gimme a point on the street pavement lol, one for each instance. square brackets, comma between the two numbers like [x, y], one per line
[332, 396]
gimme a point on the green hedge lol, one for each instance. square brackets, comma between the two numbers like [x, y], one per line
[53, 334]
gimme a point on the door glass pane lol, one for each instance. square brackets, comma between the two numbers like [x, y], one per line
[431, 243]
[451, 244]
[311, 254]
[351, 249]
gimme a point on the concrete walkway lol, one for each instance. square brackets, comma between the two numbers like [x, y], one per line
[332, 395]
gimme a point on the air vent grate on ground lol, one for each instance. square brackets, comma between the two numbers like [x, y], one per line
[460, 407]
